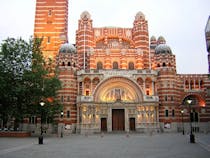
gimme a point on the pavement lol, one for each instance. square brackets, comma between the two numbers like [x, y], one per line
[165, 145]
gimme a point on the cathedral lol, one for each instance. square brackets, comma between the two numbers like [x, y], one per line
[119, 79]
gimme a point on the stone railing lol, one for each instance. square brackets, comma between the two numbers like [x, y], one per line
[118, 72]
[152, 98]
[82, 98]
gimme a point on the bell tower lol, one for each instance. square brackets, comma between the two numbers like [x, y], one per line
[51, 24]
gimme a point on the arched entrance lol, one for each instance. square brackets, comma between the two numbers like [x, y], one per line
[118, 95]
[192, 106]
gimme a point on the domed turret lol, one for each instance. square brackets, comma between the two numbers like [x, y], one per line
[163, 48]
[161, 40]
[85, 15]
[67, 48]
[139, 15]
[153, 42]
[153, 38]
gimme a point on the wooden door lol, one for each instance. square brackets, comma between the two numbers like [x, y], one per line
[118, 120]
[103, 124]
[132, 124]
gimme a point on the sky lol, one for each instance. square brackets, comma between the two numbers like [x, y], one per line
[180, 22]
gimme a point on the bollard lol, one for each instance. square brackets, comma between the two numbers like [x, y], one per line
[40, 139]
[192, 138]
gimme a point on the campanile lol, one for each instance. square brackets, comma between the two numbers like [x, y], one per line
[51, 24]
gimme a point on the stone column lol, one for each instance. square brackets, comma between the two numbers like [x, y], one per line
[153, 88]
[144, 87]
[126, 120]
[109, 119]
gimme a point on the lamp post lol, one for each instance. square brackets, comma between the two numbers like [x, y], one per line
[41, 132]
[182, 112]
[62, 124]
[192, 137]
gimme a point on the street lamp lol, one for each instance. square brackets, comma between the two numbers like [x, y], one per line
[182, 112]
[41, 132]
[192, 137]
[62, 124]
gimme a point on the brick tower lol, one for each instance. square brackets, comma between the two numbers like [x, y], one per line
[141, 37]
[84, 39]
[51, 24]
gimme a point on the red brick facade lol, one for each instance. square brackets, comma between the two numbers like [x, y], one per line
[120, 70]
[51, 24]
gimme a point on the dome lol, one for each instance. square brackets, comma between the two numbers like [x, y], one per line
[153, 38]
[139, 15]
[161, 40]
[67, 48]
[85, 15]
[163, 49]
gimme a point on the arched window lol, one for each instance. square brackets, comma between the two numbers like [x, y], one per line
[69, 64]
[148, 86]
[191, 84]
[68, 114]
[164, 64]
[115, 65]
[140, 82]
[131, 66]
[173, 113]
[201, 83]
[49, 12]
[166, 113]
[158, 65]
[186, 84]
[99, 65]
[62, 98]
[63, 64]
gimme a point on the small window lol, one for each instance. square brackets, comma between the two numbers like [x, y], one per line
[115, 65]
[164, 64]
[49, 12]
[131, 66]
[48, 39]
[68, 114]
[69, 64]
[166, 113]
[62, 99]
[173, 113]
[99, 65]
[68, 99]
[63, 64]
[87, 93]
[166, 98]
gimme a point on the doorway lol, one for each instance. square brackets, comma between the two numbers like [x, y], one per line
[132, 124]
[103, 124]
[118, 120]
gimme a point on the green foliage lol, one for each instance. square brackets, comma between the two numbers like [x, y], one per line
[26, 79]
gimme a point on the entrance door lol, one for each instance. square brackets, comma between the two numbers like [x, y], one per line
[103, 124]
[118, 120]
[132, 124]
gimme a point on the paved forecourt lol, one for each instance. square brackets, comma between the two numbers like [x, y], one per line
[109, 145]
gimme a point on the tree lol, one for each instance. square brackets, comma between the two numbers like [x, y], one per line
[26, 79]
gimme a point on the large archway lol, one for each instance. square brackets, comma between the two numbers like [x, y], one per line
[118, 89]
[192, 105]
